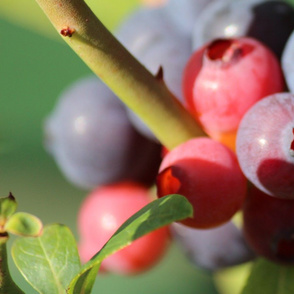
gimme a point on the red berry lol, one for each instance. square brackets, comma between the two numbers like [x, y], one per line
[103, 212]
[224, 79]
[207, 173]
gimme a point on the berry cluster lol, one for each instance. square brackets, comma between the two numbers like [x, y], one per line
[229, 62]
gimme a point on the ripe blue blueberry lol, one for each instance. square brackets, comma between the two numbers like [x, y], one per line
[92, 140]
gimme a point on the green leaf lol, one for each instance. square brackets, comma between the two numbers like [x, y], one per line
[48, 262]
[24, 224]
[8, 206]
[270, 278]
[159, 213]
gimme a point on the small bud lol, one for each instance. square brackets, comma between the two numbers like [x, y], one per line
[67, 32]
[8, 207]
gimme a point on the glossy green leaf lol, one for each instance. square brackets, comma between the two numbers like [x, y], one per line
[157, 214]
[270, 278]
[24, 224]
[48, 262]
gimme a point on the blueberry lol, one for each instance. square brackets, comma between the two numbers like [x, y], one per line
[287, 62]
[92, 140]
[270, 22]
[213, 249]
[184, 13]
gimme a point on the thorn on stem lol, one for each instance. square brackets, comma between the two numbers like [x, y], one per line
[67, 32]
[159, 75]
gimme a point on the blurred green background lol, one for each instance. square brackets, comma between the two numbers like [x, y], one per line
[35, 66]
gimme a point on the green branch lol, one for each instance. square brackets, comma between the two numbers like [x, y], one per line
[145, 94]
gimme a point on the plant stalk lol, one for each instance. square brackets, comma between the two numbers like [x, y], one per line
[7, 285]
[145, 94]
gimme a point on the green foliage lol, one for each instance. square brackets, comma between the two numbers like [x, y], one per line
[56, 267]
[270, 278]
[24, 224]
[48, 262]
[159, 213]
[20, 223]
[8, 206]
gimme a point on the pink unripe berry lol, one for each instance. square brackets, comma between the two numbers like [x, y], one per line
[225, 78]
[207, 173]
[103, 212]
